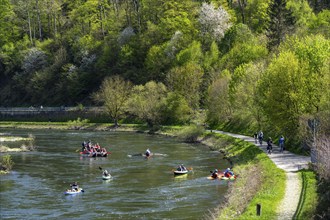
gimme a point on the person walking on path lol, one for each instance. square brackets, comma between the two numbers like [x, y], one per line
[269, 145]
[260, 137]
[281, 143]
[255, 137]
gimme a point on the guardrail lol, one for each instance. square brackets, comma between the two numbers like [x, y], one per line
[38, 110]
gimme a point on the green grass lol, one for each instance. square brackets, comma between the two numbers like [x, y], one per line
[309, 198]
[260, 181]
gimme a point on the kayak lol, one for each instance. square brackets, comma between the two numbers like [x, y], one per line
[220, 177]
[70, 192]
[179, 172]
[228, 178]
[106, 177]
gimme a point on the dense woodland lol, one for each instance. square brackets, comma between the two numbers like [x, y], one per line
[261, 63]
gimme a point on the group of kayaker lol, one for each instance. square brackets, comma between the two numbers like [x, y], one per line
[93, 149]
[227, 173]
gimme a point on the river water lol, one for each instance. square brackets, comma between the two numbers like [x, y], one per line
[140, 188]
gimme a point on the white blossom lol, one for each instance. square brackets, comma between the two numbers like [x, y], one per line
[214, 21]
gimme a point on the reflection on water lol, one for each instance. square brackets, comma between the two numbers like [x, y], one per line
[139, 189]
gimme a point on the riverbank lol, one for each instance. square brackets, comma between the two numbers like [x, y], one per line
[260, 182]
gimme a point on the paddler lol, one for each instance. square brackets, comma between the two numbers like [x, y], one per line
[182, 168]
[228, 173]
[148, 152]
[215, 174]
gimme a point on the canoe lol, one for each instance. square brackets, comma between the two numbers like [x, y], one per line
[178, 172]
[70, 192]
[106, 177]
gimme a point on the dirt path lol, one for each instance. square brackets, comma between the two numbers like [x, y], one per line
[290, 163]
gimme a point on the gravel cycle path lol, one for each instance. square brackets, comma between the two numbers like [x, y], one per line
[290, 163]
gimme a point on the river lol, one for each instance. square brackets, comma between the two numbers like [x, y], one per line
[140, 188]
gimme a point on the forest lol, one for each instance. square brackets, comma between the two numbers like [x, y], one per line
[258, 64]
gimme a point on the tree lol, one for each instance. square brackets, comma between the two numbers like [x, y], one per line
[243, 47]
[186, 80]
[281, 93]
[281, 23]
[146, 102]
[176, 109]
[218, 104]
[214, 22]
[114, 94]
[243, 93]
[7, 29]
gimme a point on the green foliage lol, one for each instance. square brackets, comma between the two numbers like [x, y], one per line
[321, 24]
[114, 94]
[192, 54]
[281, 22]
[243, 47]
[77, 123]
[146, 102]
[243, 93]
[190, 134]
[186, 80]
[176, 109]
[7, 162]
[281, 93]
[218, 104]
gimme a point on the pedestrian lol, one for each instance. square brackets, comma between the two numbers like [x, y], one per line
[255, 137]
[269, 145]
[281, 143]
[260, 137]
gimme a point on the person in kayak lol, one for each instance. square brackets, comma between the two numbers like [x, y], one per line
[181, 168]
[106, 173]
[148, 152]
[74, 187]
[215, 174]
[228, 173]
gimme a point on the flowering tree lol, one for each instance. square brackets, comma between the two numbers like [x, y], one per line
[214, 22]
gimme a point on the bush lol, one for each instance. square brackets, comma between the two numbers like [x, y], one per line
[7, 163]
[191, 133]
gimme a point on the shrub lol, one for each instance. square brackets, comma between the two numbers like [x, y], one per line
[7, 162]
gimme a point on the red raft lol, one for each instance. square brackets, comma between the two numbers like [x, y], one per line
[95, 154]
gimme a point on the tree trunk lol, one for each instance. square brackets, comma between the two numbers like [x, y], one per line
[30, 30]
[39, 20]
[242, 5]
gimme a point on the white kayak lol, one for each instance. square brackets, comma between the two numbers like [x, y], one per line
[106, 177]
[72, 192]
[180, 172]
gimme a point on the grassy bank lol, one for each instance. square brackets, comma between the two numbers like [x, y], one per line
[259, 181]
[308, 199]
